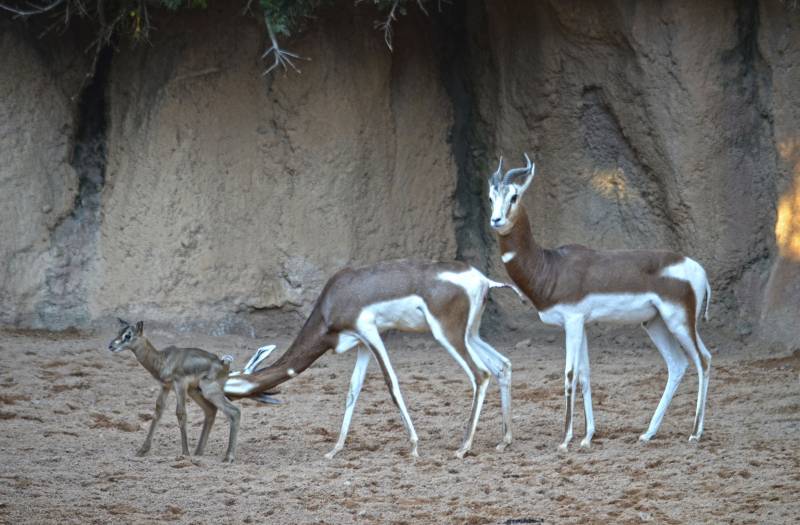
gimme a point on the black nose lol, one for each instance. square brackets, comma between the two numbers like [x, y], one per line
[495, 222]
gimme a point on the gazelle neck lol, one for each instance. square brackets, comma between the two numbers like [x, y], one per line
[149, 357]
[309, 345]
[524, 259]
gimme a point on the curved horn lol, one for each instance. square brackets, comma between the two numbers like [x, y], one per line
[519, 171]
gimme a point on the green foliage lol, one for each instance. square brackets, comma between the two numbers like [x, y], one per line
[288, 16]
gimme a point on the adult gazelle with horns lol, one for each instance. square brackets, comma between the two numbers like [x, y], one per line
[574, 285]
[357, 305]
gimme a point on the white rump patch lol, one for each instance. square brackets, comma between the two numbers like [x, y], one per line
[692, 272]
[473, 281]
[508, 256]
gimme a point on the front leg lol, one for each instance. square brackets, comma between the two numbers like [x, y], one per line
[356, 382]
[371, 334]
[180, 411]
[574, 331]
[162, 398]
[584, 373]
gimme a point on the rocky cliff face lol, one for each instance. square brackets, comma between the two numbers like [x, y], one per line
[183, 187]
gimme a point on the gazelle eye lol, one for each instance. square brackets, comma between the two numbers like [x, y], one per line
[127, 336]
[513, 198]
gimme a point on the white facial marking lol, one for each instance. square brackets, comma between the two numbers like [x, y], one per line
[508, 256]
[291, 372]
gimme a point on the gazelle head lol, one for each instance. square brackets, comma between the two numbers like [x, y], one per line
[127, 337]
[505, 192]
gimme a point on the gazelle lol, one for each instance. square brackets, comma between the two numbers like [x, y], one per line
[357, 305]
[189, 371]
[573, 285]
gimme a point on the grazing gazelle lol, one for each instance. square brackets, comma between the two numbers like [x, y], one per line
[189, 371]
[356, 305]
[573, 285]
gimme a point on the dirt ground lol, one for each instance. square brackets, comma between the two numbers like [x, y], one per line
[72, 415]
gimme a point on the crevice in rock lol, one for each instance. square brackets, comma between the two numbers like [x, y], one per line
[64, 302]
[467, 138]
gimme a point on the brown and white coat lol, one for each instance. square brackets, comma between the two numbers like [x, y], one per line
[574, 285]
[357, 305]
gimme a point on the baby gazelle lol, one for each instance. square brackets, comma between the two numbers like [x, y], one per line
[191, 371]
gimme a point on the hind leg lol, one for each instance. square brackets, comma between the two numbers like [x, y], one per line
[674, 356]
[705, 360]
[356, 382]
[500, 367]
[212, 391]
[454, 340]
[210, 412]
[679, 324]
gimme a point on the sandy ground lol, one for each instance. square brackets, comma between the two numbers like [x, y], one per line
[72, 416]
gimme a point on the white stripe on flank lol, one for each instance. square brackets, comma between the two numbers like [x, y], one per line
[508, 256]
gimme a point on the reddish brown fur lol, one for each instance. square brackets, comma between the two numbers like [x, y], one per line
[567, 274]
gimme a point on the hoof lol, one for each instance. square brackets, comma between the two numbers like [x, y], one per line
[502, 446]
[460, 453]
[644, 438]
[142, 452]
[227, 459]
[586, 444]
[331, 454]
[563, 447]
[694, 439]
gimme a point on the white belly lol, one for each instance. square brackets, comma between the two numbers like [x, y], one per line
[612, 308]
[406, 314]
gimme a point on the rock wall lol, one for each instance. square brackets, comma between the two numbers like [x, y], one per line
[209, 197]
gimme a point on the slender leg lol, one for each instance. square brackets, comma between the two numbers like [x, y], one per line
[705, 357]
[454, 340]
[574, 329]
[212, 391]
[356, 381]
[670, 350]
[676, 321]
[370, 332]
[584, 374]
[500, 367]
[162, 397]
[180, 411]
[210, 412]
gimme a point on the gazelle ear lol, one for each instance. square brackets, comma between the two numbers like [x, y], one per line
[139, 328]
[123, 322]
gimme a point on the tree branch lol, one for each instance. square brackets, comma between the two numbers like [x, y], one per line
[386, 26]
[282, 57]
[36, 10]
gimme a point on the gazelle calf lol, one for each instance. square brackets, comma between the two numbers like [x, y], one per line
[573, 285]
[357, 305]
[189, 371]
